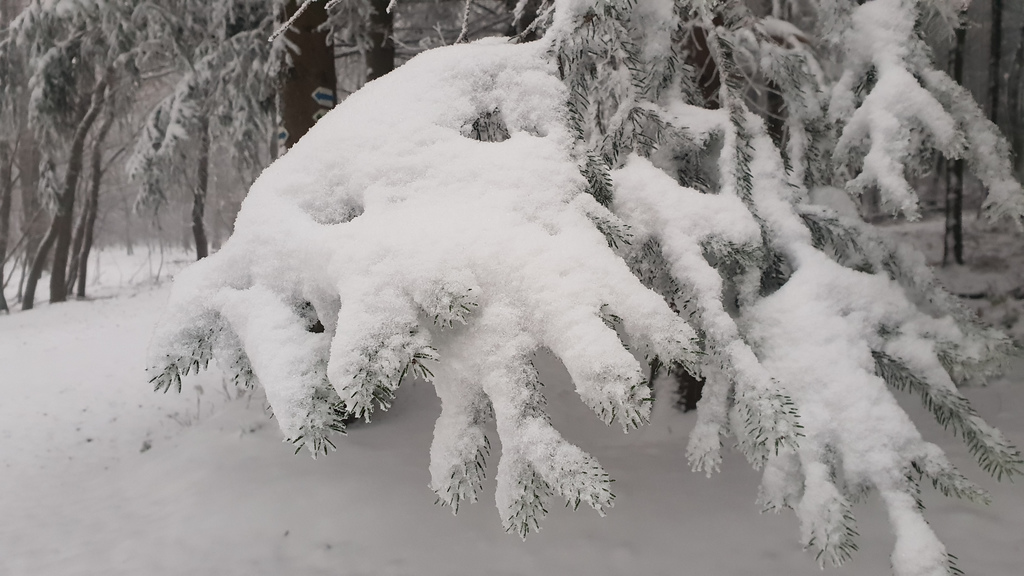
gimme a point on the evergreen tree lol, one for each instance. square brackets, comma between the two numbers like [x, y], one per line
[226, 89]
[490, 200]
[78, 55]
[7, 139]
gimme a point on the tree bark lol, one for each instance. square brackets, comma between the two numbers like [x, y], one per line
[311, 72]
[954, 239]
[1013, 104]
[380, 55]
[38, 263]
[202, 185]
[6, 179]
[76, 246]
[699, 56]
[33, 219]
[83, 237]
[995, 56]
[60, 228]
[954, 236]
[6, 190]
[66, 200]
[128, 247]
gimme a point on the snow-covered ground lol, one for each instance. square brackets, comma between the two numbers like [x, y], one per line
[98, 475]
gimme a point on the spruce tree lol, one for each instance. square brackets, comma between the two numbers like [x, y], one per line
[591, 194]
[226, 89]
[76, 56]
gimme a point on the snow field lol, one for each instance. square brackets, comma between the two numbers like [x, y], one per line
[220, 493]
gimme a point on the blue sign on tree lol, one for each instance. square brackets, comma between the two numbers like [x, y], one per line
[324, 97]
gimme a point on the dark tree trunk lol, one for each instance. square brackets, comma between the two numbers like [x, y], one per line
[90, 226]
[526, 18]
[309, 86]
[776, 111]
[202, 185]
[33, 217]
[60, 228]
[380, 55]
[76, 247]
[64, 218]
[6, 190]
[687, 388]
[24, 272]
[994, 58]
[953, 241]
[1013, 103]
[38, 263]
[83, 236]
[6, 180]
[33, 224]
[128, 248]
[701, 59]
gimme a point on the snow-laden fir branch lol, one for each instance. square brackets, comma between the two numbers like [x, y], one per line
[594, 195]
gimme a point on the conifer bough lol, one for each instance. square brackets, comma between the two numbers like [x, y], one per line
[490, 200]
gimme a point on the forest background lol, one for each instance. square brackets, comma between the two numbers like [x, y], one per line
[130, 124]
[168, 157]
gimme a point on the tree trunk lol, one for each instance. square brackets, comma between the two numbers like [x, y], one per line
[202, 185]
[309, 85]
[1013, 104]
[76, 247]
[78, 270]
[6, 185]
[66, 200]
[954, 235]
[33, 218]
[954, 238]
[995, 55]
[6, 180]
[24, 272]
[699, 56]
[128, 248]
[38, 263]
[60, 228]
[522, 22]
[380, 55]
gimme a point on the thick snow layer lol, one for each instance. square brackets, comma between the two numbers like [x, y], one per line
[389, 241]
[410, 242]
[215, 494]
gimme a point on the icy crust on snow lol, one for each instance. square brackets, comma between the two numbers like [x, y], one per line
[472, 253]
